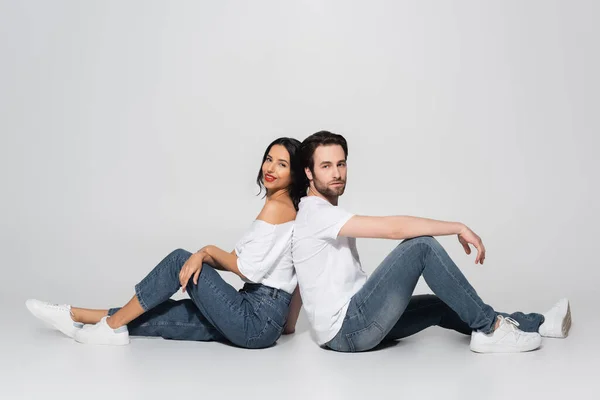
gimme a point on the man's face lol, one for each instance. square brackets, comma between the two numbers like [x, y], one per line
[329, 171]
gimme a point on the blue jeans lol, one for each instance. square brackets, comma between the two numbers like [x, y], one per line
[252, 317]
[384, 308]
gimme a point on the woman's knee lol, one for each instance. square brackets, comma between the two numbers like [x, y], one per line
[180, 254]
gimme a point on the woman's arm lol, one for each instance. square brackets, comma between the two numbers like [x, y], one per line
[221, 260]
[213, 263]
[294, 311]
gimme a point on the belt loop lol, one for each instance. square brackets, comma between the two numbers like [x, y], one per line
[274, 294]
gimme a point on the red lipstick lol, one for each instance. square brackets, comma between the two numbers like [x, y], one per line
[269, 178]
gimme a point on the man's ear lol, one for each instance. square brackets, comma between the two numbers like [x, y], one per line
[308, 173]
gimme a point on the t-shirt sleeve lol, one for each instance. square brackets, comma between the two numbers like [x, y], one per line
[253, 260]
[328, 221]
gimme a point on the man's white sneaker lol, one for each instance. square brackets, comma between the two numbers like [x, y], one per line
[507, 338]
[57, 315]
[557, 320]
[101, 333]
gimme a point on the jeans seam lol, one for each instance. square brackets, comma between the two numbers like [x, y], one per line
[459, 284]
[171, 323]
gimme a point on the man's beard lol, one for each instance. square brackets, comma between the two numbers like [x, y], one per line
[329, 191]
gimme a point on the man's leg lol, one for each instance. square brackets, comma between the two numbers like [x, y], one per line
[426, 310]
[380, 303]
[423, 311]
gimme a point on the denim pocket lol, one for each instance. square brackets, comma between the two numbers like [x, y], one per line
[267, 336]
[366, 338]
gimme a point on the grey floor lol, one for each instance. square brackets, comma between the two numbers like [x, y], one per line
[37, 361]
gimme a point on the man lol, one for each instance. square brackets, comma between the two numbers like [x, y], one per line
[350, 312]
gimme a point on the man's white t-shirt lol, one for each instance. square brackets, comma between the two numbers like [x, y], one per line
[327, 266]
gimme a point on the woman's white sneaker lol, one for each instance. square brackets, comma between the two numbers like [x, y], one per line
[507, 338]
[557, 320]
[101, 333]
[56, 315]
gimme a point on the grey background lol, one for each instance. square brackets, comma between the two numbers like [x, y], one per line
[129, 129]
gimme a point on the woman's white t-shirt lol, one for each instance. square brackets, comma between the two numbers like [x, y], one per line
[264, 255]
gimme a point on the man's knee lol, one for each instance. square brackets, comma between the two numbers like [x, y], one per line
[421, 239]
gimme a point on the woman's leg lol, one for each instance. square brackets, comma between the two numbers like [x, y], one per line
[245, 320]
[173, 319]
[380, 303]
[157, 287]
[229, 311]
[87, 315]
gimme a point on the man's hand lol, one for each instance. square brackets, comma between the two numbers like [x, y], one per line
[192, 266]
[466, 236]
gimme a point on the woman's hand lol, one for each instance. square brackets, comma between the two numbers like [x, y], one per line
[192, 266]
[288, 330]
[466, 236]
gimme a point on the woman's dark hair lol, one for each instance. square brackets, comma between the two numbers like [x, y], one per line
[321, 138]
[297, 188]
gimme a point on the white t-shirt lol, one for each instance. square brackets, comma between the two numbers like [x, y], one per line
[264, 255]
[328, 267]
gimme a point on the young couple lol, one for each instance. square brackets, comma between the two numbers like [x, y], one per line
[301, 250]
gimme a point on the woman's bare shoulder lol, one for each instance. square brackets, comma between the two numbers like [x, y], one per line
[277, 212]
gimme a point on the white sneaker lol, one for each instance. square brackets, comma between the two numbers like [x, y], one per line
[57, 315]
[101, 333]
[557, 320]
[507, 338]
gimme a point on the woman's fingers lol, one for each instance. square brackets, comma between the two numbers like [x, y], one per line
[184, 276]
[189, 268]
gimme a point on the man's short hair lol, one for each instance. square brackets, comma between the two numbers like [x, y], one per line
[321, 138]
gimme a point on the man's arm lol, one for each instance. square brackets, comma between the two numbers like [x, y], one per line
[406, 227]
[398, 227]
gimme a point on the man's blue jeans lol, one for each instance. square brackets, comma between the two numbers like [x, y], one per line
[252, 317]
[385, 309]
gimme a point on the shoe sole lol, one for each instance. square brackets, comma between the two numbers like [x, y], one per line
[113, 342]
[566, 325]
[492, 348]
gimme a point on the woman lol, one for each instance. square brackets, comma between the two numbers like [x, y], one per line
[253, 317]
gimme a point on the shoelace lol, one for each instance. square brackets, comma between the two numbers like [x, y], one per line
[60, 307]
[514, 325]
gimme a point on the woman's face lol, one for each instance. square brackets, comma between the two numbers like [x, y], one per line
[276, 174]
